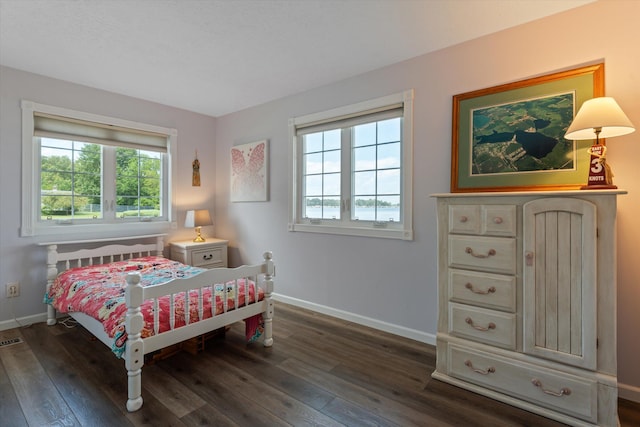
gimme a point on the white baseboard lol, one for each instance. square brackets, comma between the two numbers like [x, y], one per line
[22, 321]
[629, 392]
[361, 320]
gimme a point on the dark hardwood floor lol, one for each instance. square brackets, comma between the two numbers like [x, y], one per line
[321, 371]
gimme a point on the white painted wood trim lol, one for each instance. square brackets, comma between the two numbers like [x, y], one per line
[391, 328]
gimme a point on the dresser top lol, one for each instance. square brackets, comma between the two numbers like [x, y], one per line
[564, 193]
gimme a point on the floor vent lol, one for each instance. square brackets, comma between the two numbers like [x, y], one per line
[10, 341]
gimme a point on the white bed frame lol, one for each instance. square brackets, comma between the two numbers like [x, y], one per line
[136, 346]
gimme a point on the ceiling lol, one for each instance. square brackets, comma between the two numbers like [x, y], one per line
[219, 56]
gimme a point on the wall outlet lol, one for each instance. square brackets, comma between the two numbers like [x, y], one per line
[13, 290]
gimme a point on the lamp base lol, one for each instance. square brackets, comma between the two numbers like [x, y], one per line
[599, 187]
[199, 237]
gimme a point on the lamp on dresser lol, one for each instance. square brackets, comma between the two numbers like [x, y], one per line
[603, 118]
[198, 219]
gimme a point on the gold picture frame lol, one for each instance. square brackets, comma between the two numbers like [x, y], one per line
[511, 137]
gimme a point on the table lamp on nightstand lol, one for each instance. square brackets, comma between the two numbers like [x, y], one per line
[198, 219]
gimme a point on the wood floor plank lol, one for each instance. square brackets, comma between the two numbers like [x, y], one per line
[358, 395]
[202, 380]
[284, 406]
[80, 393]
[178, 398]
[10, 407]
[45, 406]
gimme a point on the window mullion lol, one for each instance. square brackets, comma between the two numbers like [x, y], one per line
[346, 169]
[109, 183]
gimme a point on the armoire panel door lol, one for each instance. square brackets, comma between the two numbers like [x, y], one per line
[559, 280]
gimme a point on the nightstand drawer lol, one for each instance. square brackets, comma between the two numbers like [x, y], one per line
[493, 254]
[486, 326]
[206, 257]
[547, 387]
[209, 254]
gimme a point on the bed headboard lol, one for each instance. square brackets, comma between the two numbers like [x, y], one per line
[97, 251]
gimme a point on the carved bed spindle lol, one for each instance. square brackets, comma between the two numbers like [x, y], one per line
[268, 284]
[52, 273]
[134, 351]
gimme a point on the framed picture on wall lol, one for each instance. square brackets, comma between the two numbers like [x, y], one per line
[249, 172]
[511, 137]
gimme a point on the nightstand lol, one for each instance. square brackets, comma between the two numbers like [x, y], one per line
[209, 254]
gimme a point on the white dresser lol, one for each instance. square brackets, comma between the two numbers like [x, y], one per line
[527, 300]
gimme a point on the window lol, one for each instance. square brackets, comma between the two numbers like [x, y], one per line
[87, 173]
[352, 169]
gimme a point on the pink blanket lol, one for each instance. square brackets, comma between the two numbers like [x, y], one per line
[98, 291]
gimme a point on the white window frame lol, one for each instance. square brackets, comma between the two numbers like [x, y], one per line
[404, 230]
[30, 218]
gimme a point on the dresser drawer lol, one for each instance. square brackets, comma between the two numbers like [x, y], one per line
[495, 220]
[486, 326]
[560, 391]
[208, 258]
[483, 289]
[492, 254]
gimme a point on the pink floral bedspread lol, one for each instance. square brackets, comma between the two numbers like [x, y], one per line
[99, 291]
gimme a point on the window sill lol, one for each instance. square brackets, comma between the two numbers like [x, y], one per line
[399, 234]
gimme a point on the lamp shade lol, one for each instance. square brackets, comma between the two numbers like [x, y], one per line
[602, 113]
[197, 218]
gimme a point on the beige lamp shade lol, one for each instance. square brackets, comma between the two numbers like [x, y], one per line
[599, 114]
[198, 218]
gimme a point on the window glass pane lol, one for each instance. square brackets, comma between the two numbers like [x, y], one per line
[312, 207]
[389, 155]
[388, 208]
[388, 181]
[389, 130]
[313, 185]
[332, 139]
[70, 180]
[313, 163]
[364, 134]
[312, 143]
[331, 185]
[331, 208]
[364, 158]
[364, 183]
[331, 161]
[364, 209]
[138, 183]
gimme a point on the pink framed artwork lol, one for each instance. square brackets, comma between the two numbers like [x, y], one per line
[249, 172]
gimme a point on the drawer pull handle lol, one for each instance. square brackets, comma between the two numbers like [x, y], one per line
[491, 290]
[490, 369]
[469, 321]
[464, 219]
[207, 257]
[497, 220]
[470, 252]
[564, 391]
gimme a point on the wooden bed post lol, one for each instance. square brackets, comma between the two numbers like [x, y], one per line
[160, 245]
[52, 273]
[134, 350]
[268, 314]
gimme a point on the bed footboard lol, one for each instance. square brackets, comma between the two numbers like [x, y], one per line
[136, 294]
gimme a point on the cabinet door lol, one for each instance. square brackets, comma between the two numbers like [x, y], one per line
[559, 272]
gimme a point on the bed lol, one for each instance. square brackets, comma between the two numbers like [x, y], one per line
[163, 303]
